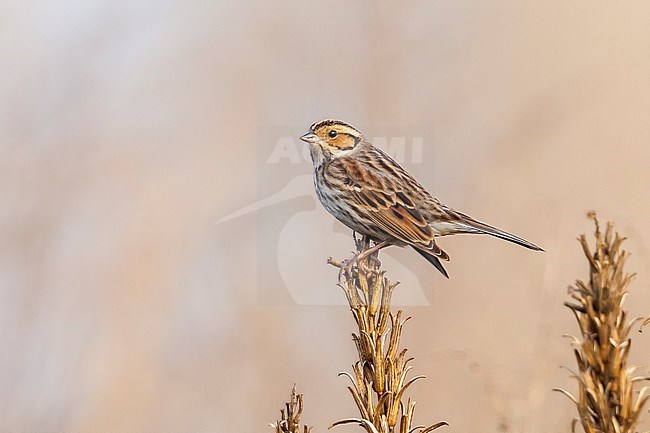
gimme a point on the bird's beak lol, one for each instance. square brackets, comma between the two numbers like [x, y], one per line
[309, 137]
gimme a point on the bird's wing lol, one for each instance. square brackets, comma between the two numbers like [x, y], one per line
[388, 203]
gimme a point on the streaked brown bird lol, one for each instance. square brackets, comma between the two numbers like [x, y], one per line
[372, 194]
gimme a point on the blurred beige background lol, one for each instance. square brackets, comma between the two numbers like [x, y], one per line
[129, 129]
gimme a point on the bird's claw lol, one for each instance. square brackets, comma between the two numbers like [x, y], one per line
[347, 265]
[345, 271]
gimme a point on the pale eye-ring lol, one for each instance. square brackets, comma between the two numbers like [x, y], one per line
[333, 133]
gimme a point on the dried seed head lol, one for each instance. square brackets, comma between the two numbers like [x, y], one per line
[380, 375]
[605, 398]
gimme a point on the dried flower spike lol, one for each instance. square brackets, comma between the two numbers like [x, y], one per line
[380, 376]
[290, 417]
[605, 398]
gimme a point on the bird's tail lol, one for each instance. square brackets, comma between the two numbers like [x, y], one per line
[474, 226]
[434, 260]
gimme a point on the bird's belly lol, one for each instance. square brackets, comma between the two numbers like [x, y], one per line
[337, 205]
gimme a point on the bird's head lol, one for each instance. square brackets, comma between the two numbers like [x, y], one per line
[330, 139]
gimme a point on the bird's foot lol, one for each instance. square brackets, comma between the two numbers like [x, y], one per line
[358, 259]
[345, 272]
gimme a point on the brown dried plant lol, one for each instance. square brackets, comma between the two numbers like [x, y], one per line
[605, 398]
[289, 421]
[380, 376]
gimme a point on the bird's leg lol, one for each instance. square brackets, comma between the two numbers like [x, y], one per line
[362, 242]
[346, 266]
[372, 250]
[365, 243]
[359, 243]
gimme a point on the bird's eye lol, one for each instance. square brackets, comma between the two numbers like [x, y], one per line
[333, 133]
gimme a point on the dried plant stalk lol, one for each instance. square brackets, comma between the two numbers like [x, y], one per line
[605, 398]
[380, 376]
[289, 421]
